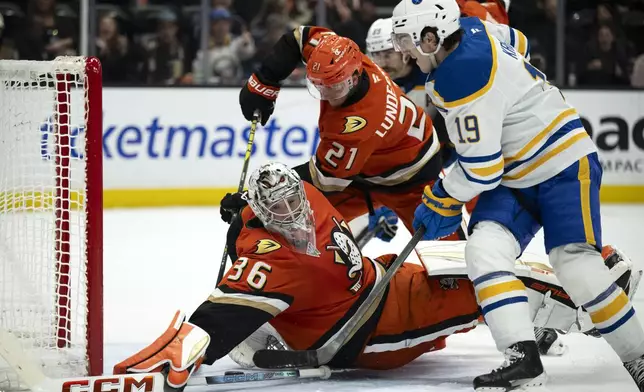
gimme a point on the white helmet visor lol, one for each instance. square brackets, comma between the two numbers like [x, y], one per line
[326, 93]
[403, 42]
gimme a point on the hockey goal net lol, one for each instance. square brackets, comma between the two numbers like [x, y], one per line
[51, 214]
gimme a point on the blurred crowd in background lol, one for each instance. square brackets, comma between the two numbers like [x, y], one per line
[157, 42]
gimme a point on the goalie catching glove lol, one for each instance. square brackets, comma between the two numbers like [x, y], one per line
[177, 353]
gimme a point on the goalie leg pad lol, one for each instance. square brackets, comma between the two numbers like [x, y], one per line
[584, 275]
[622, 270]
[265, 338]
[181, 347]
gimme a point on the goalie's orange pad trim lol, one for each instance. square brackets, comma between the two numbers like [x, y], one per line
[607, 251]
[154, 348]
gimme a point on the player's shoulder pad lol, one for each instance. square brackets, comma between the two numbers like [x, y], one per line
[253, 238]
[260, 245]
[266, 245]
[469, 71]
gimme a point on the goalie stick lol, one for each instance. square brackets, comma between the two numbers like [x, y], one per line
[363, 238]
[272, 359]
[35, 379]
[366, 235]
[240, 187]
[231, 377]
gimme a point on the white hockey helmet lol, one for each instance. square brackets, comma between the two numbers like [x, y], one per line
[379, 36]
[410, 17]
[277, 197]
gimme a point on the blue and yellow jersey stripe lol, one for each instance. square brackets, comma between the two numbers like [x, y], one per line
[562, 133]
[520, 42]
[484, 170]
[610, 310]
[498, 289]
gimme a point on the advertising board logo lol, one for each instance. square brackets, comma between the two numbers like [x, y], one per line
[159, 140]
[111, 384]
[48, 141]
[620, 144]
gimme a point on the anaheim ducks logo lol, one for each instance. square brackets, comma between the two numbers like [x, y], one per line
[266, 246]
[353, 124]
[347, 253]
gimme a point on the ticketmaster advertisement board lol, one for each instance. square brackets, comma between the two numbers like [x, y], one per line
[176, 146]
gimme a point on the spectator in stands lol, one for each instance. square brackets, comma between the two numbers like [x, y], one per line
[637, 79]
[299, 12]
[541, 30]
[605, 15]
[296, 12]
[275, 26]
[113, 49]
[237, 24]
[606, 61]
[164, 53]
[222, 4]
[352, 19]
[225, 53]
[7, 51]
[45, 35]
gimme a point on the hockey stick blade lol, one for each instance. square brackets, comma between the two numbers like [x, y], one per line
[272, 359]
[322, 372]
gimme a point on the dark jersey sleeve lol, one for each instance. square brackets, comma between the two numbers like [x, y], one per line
[290, 50]
[228, 325]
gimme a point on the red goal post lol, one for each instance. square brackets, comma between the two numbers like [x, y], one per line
[51, 214]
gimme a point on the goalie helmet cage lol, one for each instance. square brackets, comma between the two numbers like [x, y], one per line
[51, 208]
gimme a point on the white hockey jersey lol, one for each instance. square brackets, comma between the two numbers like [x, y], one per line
[508, 124]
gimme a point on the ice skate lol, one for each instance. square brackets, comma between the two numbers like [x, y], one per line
[521, 371]
[636, 370]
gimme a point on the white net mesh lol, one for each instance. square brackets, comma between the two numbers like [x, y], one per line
[43, 286]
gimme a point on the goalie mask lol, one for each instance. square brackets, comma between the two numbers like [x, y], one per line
[276, 196]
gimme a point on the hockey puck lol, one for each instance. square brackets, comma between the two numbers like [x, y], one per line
[233, 373]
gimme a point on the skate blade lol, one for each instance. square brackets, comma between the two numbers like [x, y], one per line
[537, 384]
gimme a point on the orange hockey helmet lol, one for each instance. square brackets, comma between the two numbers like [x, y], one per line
[331, 67]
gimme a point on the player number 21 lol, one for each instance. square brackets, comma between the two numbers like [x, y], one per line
[256, 278]
[471, 126]
[338, 153]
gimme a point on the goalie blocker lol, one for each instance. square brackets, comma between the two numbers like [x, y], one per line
[291, 275]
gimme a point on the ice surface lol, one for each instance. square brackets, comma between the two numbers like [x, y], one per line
[160, 260]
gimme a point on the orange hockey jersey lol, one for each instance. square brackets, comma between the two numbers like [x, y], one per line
[491, 11]
[306, 298]
[381, 138]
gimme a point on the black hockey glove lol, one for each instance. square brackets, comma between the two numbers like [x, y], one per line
[231, 204]
[258, 94]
